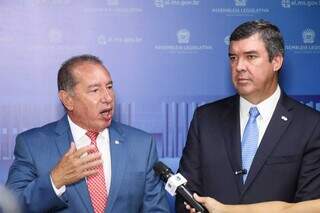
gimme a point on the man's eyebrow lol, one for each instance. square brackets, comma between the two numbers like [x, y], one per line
[246, 52]
[251, 52]
[93, 85]
[97, 85]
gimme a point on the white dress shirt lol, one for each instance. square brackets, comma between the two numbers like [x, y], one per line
[266, 109]
[103, 143]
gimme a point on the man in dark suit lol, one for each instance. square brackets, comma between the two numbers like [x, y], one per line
[258, 145]
[86, 162]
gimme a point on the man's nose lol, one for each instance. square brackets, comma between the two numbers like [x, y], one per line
[240, 65]
[107, 96]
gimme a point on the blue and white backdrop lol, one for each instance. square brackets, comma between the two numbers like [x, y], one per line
[166, 57]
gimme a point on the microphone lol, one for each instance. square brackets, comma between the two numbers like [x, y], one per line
[176, 184]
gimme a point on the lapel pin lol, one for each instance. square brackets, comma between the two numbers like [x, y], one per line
[116, 142]
[284, 118]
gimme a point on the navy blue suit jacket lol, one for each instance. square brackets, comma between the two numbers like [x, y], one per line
[286, 165]
[134, 186]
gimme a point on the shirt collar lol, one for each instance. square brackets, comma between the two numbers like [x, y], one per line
[78, 132]
[266, 107]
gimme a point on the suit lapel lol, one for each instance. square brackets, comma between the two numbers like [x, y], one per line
[64, 136]
[231, 131]
[119, 153]
[279, 122]
[63, 140]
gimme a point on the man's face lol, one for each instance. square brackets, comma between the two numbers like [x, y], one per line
[91, 103]
[253, 75]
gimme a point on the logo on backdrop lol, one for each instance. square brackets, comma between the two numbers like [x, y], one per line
[159, 3]
[184, 44]
[240, 9]
[308, 43]
[183, 36]
[104, 40]
[176, 3]
[285, 3]
[115, 8]
[240, 3]
[308, 36]
[54, 39]
[299, 3]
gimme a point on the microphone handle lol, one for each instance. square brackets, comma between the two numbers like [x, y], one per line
[190, 200]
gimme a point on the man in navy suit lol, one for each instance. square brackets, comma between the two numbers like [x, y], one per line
[86, 162]
[285, 164]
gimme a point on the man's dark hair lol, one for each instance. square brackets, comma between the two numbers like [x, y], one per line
[269, 33]
[66, 79]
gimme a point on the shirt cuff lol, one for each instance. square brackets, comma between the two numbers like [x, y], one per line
[60, 191]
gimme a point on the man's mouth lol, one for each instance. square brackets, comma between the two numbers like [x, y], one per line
[243, 80]
[106, 114]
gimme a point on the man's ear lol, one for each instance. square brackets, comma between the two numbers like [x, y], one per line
[67, 99]
[277, 62]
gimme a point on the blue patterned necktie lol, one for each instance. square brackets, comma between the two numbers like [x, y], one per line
[249, 142]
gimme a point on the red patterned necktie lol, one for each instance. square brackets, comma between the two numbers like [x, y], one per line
[96, 183]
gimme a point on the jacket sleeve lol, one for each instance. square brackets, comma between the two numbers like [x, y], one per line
[154, 196]
[308, 187]
[34, 191]
[190, 163]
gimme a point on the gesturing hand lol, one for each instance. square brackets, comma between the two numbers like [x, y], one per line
[75, 165]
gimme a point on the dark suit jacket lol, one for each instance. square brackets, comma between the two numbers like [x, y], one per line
[134, 186]
[286, 165]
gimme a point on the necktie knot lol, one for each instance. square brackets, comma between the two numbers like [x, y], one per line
[93, 136]
[254, 112]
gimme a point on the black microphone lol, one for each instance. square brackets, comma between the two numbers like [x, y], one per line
[165, 174]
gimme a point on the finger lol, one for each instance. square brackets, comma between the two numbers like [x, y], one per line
[187, 206]
[199, 199]
[79, 164]
[90, 157]
[72, 149]
[91, 165]
[84, 150]
[74, 177]
[88, 173]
